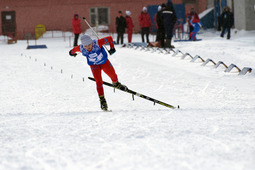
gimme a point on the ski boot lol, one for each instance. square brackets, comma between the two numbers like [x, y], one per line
[103, 103]
[120, 86]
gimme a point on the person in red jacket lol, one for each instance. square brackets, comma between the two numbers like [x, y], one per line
[76, 24]
[130, 26]
[145, 23]
[97, 59]
[192, 15]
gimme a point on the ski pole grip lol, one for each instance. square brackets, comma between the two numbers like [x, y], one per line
[84, 18]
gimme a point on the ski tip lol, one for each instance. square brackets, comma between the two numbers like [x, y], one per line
[90, 78]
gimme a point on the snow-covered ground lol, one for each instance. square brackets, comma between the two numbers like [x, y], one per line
[51, 119]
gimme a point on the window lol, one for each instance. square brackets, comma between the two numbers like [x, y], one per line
[99, 15]
[8, 17]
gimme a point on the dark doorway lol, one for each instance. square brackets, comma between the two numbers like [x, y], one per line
[9, 23]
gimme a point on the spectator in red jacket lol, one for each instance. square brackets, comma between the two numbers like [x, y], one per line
[145, 23]
[76, 24]
[130, 26]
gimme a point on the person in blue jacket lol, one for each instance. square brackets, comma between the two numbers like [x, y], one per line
[196, 27]
[97, 59]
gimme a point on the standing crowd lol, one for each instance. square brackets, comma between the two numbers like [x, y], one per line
[123, 23]
[165, 20]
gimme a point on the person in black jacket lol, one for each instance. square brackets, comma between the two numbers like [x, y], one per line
[161, 29]
[227, 21]
[121, 25]
[169, 17]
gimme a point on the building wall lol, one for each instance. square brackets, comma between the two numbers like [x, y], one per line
[250, 14]
[210, 3]
[239, 14]
[58, 14]
[244, 14]
[198, 5]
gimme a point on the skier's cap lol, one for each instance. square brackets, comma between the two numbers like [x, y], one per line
[128, 13]
[144, 9]
[86, 40]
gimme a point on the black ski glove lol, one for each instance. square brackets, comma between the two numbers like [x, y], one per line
[71, 54]
[111, 51]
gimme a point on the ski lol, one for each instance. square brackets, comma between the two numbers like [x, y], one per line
[187, 40]
[140, 95]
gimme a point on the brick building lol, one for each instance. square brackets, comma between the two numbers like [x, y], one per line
[19, 17]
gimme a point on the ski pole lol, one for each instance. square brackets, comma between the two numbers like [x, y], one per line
[93, 31]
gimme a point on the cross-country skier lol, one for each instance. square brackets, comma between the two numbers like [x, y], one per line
[97, 59]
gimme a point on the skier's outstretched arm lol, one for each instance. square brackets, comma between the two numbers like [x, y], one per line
[106, 40]
[73, 51]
